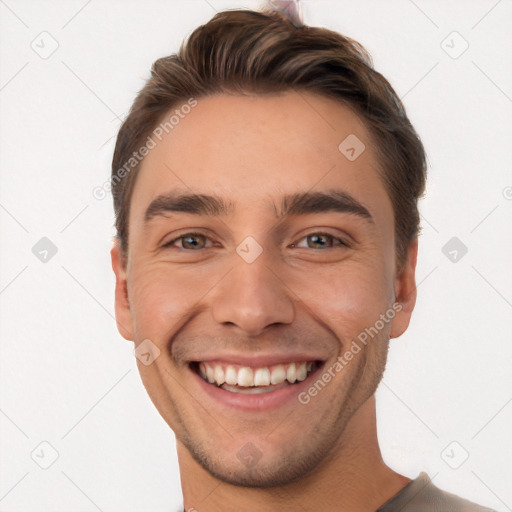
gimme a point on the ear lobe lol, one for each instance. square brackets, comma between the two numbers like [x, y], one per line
[122, 304]
[405, 292]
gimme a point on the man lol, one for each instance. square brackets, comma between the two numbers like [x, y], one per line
[265, 188]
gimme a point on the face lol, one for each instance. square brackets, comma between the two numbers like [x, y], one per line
[252, 295]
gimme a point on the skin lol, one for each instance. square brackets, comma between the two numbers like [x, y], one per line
[194, 302]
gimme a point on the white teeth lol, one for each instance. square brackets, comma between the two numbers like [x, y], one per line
[209, 374]
[231, 375]
[245, 376]
[278, 374]
[302, 372]
[218, 373]
[291, 373]
[262, 377]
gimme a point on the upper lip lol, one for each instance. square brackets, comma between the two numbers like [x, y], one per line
[259, 360]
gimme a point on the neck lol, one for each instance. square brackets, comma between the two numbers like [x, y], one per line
[352, 477]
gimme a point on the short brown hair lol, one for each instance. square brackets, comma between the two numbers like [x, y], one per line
[244, 51]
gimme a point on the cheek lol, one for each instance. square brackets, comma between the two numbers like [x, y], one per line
[348, 298]
[161, 298]
[156, 300]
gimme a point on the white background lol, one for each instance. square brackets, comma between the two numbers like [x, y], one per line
[67, 376]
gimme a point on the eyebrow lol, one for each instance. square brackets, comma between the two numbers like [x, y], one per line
[293, 204]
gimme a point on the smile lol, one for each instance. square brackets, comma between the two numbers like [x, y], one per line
[254, 380]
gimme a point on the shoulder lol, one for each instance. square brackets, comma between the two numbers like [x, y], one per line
[421, 495]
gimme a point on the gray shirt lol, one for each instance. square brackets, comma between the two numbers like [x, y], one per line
[421, 495]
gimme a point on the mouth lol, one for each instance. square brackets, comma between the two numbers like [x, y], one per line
[254, 387]
[252, 380]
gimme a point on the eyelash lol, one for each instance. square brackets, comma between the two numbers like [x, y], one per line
[169, 244]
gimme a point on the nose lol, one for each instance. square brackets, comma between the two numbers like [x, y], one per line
[252, 297]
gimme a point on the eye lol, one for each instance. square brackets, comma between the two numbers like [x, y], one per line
[189, 241]
[320, 241]
[197, 241]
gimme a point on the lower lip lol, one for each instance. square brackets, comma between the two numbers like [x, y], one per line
[257, 401]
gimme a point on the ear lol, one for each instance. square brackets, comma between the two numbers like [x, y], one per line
[122, 304]
[405, 292]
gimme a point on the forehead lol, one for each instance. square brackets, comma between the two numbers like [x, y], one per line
[252, 148]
